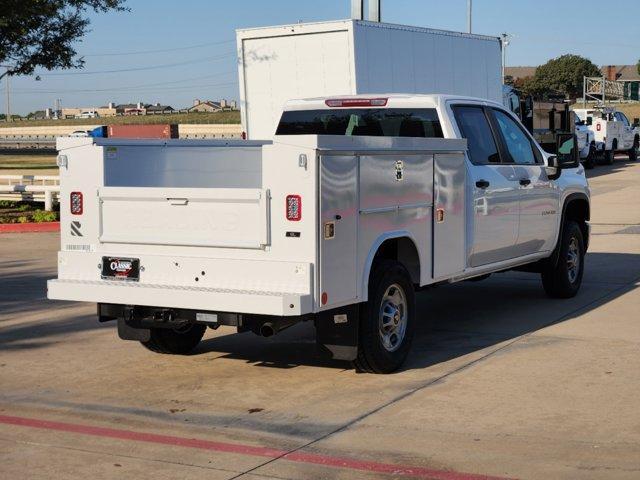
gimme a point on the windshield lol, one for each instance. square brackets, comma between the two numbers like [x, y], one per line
[378, 122]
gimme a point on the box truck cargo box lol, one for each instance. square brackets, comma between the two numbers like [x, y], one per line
[349, 57]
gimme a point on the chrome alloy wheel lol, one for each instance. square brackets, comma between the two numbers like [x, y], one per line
[393, 317]
[573, 260]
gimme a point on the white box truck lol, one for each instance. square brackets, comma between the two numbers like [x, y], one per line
[349, 57]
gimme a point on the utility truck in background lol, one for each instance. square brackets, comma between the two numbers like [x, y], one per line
[613, 130]
[355, 204]
[546, 119]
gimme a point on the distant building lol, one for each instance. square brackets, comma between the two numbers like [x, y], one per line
[205, 106]
[212, 106]
[111, 110]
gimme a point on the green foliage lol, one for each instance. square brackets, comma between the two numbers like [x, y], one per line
[42, 33]
[40, 216]
[562, 75]
[638, 66]
[23, 219]
[7, 204]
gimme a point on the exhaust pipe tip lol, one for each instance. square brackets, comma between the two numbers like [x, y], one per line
[267, 329]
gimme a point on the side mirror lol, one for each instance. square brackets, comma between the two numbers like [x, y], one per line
[589, 120]
[567, 151]
[636, 122]
[552, 168]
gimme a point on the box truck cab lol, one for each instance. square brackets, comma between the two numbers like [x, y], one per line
[357, 203]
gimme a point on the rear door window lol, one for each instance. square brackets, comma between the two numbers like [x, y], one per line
[474, 126]
[376, 122]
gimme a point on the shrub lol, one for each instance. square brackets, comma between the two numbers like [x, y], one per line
[40, 216]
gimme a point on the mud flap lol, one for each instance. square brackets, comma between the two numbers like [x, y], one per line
[126, 332]
[337, 331]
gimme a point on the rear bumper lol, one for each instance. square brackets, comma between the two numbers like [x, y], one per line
[169, 296]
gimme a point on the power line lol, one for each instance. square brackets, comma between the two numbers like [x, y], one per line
[141, 52]
[129, 87]
[138, 69]
[176, 88]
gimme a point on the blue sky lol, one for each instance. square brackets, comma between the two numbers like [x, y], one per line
[541, 29]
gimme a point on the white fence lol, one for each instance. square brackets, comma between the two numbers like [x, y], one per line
[31, 188]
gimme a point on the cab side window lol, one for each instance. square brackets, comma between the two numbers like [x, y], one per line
[474, 126]
[516, 141]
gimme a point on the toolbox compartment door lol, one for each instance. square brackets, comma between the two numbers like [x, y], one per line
[206, 217]
[338, 229]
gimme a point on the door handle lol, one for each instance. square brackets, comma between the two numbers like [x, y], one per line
[525, 181]
[482, 183]
[178, 201]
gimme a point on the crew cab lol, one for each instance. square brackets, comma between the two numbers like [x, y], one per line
[613, 129]
[357, 203]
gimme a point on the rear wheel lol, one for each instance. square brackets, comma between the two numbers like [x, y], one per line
[178, 341]
[563, 279]
[608, 157]
[633, 151]
[590, 161]
[387, 319]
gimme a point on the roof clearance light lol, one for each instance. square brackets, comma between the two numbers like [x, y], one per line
[356, 102]
[294, 208]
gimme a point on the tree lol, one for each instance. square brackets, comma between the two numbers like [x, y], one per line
[638, 67]
[42, 33]
[564, 75]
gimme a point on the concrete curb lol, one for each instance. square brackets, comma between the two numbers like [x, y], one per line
[29, 227]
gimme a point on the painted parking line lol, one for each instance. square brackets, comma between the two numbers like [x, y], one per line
[299, 457]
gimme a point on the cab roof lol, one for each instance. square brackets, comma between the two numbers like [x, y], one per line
[391, 100]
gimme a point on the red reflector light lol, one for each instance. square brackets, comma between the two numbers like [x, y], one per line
[294, 208]
[598, 127]
[75, 203]
[243, 135]
[356, 102]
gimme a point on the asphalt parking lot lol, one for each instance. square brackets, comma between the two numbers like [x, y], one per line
[501, 382]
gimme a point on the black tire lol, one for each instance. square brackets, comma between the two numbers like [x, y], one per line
[609, 156]
[560, 280]
[387, 277]
[175, 341]
[633, 151]
[590, 161]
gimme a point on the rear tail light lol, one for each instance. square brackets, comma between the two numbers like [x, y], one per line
[356, 102]
[76, 203]
[243, 135]
[294, 208]
[598, 127]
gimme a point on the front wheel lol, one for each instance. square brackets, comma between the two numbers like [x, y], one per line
[387, 319]
[563, 279]
[178, 341]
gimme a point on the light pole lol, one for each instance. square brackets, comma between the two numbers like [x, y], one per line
[505, 37]
[469, 11]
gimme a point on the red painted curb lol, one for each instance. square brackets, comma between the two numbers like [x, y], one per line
[299, 457]
[29, 227]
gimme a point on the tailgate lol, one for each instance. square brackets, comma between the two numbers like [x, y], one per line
[205, 217]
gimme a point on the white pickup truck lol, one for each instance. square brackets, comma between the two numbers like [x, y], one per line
[358, 202]
[611, 129]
